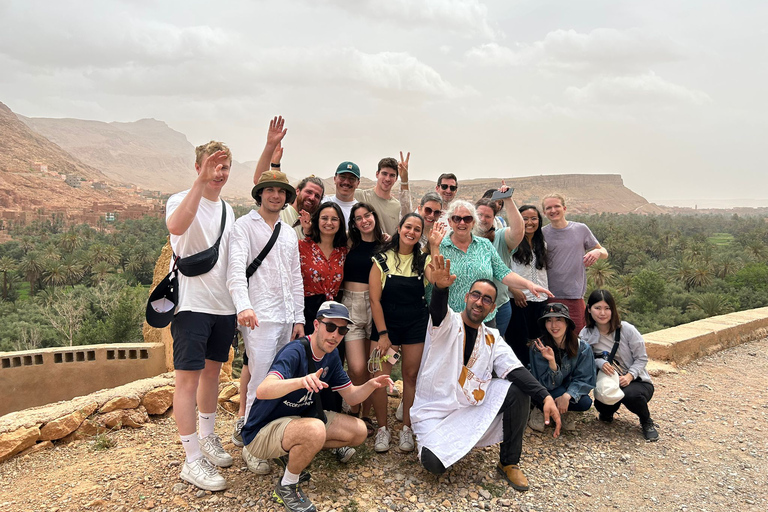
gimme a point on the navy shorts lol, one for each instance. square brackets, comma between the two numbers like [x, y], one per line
[201, 336]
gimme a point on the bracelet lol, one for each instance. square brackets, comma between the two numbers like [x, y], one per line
[381, 333]
[277, 166]
[403, 183]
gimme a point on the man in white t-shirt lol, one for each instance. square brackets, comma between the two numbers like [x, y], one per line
[346, 179]
[204, 321]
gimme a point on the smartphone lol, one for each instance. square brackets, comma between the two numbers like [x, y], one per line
[393, 356]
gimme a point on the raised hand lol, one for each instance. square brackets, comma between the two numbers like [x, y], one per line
[210, 169]
[503, 187]
[436, 237]
[546, 352]
[402, 167]
[277, 154]
[276, 131]
[440, 269]
[306, 222]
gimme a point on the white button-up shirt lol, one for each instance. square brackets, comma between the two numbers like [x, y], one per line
[275, 292]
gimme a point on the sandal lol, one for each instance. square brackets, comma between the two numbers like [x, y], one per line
[369, 426]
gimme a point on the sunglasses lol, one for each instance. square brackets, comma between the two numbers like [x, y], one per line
[331, 327]
[453, 188]
[556, 307]
[430, 211]
[476, 296]
[467, 219]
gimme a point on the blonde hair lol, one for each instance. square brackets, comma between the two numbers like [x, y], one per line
[554, 195]
[210, 148]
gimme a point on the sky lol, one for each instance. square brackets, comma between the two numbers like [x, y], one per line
[671, 95]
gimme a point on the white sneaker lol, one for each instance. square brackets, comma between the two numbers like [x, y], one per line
[536, 420]
[399, 412]
[201, 473]
[381, 443]
[406, 439]
[214, 452]
[344, 453]
[237, 438]
[258, 466]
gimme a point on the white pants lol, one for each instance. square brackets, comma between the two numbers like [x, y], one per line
[262, 344]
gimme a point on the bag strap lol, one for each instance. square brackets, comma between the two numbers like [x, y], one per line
[616, 339]
[381, 258]
[256, 263]
[223, 223]
[312, 369]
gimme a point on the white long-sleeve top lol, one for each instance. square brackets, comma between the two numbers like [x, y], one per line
[275, 292]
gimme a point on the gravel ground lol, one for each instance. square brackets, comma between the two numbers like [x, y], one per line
[711, 456]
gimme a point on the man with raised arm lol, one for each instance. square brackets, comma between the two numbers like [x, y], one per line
[389, 209]
[571, 248]
[459, 402]
[288, 423]
[204, 323]
[309, 191]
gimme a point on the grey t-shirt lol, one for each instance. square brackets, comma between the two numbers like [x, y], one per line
[565, 259]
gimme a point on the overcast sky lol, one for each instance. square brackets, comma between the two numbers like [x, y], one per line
[671, 95]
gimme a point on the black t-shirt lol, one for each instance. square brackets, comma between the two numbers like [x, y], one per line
[289, 363]
[357, 267]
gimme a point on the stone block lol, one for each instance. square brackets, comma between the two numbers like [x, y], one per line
[133, 418]
[86, 430]
[230, 407]
[158, 400]
[17, 441]
[120, 402]
[61, 427]
[37, 447]
[227, 393]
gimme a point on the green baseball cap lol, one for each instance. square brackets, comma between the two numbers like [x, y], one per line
[349, 167]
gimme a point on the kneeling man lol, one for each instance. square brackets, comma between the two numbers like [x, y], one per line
[287, 422]
[472, 390]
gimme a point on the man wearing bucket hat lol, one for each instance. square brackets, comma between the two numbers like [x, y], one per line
[287, 421]
[563, 364]
[204, 323]
[269, 303]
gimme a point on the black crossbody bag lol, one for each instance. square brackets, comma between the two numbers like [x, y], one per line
[256, 263]
[202, 262]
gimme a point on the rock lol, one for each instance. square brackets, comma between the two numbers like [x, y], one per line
[65, 425]
[228, 392]
[96, 503]
[230, 407]
[180, 502]
[133, 418]
[200, 494]
[179, 488]
[120, 402]
[87, 429]
[14, 442]
[39, 447]
[235, 399]
[158, 400]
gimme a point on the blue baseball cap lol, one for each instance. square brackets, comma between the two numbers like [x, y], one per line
[332, 309]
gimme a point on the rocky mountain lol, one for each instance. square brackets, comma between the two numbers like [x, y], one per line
[145, 153]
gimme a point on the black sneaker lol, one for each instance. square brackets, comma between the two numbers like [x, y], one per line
[282, 463]
[607, 418]
[649, 431]
[293, 498]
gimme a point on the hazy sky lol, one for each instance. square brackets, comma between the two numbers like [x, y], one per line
[671, 95]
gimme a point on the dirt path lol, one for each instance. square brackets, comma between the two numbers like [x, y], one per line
[711, 456]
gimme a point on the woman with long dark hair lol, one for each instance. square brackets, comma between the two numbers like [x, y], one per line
[530, 262]
[630, 359]
[400, 315]
[365, 235]
[563, 364]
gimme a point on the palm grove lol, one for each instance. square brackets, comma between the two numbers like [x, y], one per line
[78, 285]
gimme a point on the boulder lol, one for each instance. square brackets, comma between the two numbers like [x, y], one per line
[230, 407]
[228, 392]
[14, 442]
[86, 430]
[120, 402]
[158, 400]
[37, 447]
[133, 418]
[65, 425]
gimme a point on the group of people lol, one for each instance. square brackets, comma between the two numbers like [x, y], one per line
[485, 315]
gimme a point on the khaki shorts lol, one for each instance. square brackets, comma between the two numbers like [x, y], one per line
[359, 306]
[268, 443]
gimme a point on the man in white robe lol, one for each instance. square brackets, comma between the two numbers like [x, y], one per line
[472, 390]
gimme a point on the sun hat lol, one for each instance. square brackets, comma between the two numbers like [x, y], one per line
[556, 310]
[273, 178]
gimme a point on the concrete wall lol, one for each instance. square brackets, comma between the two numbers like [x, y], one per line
[37, 377]
[686, 342]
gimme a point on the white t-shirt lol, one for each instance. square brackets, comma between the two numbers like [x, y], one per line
[346, 207]
[206, 293]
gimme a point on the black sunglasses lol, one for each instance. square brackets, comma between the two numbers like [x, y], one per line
[430, 211]
[556, 307]
[468, 219]
[331, 327]
[476, 295]
[453, 188]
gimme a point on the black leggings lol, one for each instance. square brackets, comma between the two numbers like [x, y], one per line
[636, 397]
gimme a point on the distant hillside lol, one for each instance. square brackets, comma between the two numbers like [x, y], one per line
[145, 153]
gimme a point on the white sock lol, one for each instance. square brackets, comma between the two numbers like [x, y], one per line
[191, 447]
[289, 478]
[206, 422]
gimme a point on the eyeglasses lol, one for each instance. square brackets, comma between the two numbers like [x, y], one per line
[430, 211]
[453, 188]
[467, 219]
[329, 219]
[366, 216]
[476, 296]
[331, 327]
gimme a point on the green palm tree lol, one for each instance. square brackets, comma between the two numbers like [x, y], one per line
[701, 275]
[624, 284]
[55, 274]
[101, 270]
[601, 273]
[32, 267]
[711, 304]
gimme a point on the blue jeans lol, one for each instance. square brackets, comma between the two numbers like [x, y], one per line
[583, 404]
[503, 316]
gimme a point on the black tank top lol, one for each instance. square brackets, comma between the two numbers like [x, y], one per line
[358, 265]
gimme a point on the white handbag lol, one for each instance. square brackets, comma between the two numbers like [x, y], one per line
[607, 389]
